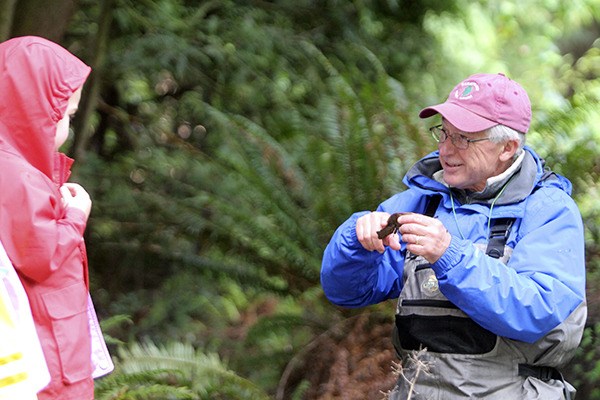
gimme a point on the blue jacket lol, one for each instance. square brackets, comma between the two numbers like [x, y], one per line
[542, 284]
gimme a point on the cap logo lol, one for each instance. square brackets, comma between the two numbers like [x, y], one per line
[466, 89]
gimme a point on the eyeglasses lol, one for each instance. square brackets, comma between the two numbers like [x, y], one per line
[459, 141]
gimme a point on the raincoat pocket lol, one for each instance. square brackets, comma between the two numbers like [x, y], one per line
[67, 309]
[444, 334]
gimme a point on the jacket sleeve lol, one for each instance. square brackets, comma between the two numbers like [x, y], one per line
[543, 282]
[37, 231]
[354, 277]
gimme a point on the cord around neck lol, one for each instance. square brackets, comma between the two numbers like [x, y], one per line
[489, 214]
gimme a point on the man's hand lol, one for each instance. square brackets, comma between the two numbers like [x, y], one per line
[75, 196]
[424, 236]
[367, 227]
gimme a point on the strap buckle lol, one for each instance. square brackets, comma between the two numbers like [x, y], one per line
[499, 232]
[539, 372]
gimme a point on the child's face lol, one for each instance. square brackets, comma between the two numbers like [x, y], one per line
[62, 128]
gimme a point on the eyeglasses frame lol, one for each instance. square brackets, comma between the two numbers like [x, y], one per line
[453, 138]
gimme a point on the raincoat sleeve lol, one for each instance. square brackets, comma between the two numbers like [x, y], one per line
[542, 284]
[350, 275]
[37, 230]
[354, 277]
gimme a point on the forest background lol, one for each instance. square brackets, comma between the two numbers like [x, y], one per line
[223, 141]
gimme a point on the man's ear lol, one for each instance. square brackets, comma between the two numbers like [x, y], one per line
[509, 150]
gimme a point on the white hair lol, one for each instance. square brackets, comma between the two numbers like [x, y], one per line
[502, 133]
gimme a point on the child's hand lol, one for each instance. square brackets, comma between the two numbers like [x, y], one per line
[75, 196]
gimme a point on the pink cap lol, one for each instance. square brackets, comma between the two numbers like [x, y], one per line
[485, 100]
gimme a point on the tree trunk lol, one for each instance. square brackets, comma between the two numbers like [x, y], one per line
[41, 18]
[7, 10]
[93, 86]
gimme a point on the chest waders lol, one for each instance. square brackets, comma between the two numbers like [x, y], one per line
[462, 359]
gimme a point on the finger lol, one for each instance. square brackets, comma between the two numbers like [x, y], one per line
[415, 219]
[367, 228]
[363, 229]
[76, 189]
[374, 242]
[413, 229]
[413, 239]
[421, 240]
[360, 231]
[65, 192]
[378, 245]
[392, 241]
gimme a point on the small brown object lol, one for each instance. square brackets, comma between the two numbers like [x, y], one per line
[391, 227]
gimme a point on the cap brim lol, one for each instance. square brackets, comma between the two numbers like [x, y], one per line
[461, 118]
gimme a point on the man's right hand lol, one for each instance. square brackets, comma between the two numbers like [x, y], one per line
[367, 227]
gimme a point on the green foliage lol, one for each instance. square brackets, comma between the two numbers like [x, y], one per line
[252, 197]
[586, 367]
[111, 324]
[231, 138]
[175, 371]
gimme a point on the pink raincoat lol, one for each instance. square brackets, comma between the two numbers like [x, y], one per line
[43, 239]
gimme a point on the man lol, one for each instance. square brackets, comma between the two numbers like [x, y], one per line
[488, 262]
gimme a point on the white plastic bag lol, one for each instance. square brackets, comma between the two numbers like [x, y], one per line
[23, 370]
[101, 361]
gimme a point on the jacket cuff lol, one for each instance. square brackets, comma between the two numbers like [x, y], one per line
[350, 232]
[452, 256]
[77, 218]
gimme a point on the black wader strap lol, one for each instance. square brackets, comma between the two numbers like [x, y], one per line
[498, 235]
[501, 228]
[432, 205]
[544, 374]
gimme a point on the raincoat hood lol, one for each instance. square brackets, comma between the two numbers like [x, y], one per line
[38, 78]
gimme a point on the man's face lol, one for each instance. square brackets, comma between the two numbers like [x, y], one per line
[470, 168]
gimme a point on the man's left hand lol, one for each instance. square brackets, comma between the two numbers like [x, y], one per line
[424, 236]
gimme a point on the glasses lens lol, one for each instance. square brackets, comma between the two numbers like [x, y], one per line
[438, 134]
[460, 141]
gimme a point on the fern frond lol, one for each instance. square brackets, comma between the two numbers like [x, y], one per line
[176, 370]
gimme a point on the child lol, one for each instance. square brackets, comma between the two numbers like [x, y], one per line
[42, 217]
